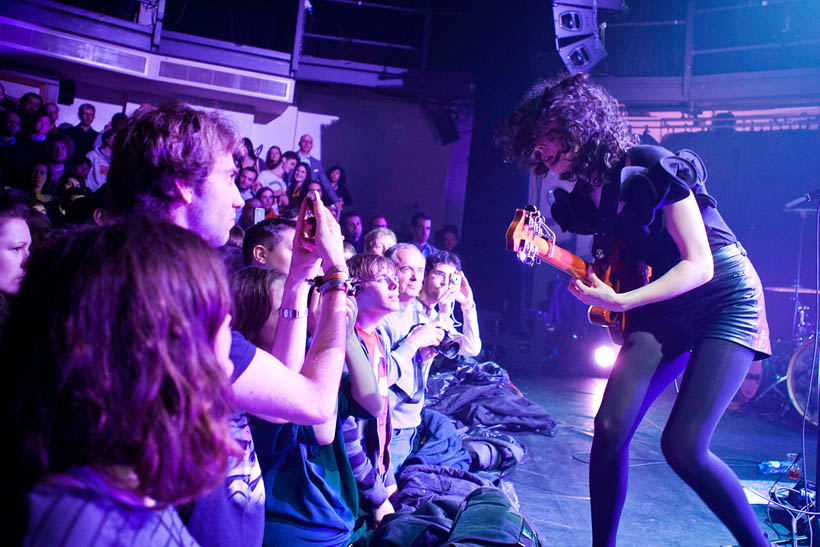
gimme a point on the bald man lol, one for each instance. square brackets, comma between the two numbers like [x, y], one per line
[317, 170]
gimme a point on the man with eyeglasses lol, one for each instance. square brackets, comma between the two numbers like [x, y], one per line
[416, 330]
[444, 286]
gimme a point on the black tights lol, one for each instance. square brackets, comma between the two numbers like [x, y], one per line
[644, 368]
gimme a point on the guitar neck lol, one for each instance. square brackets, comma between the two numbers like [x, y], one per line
[561, 258]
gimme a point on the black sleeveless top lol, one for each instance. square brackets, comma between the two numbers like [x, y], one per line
[644, 188]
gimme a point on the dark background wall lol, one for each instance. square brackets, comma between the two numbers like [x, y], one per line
[752, 175]
[515, 53]
[394, 162]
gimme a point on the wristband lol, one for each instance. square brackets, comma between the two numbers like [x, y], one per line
[335, 270]
[342, 287]
[290, 313]
[335, 275]
[335, 283]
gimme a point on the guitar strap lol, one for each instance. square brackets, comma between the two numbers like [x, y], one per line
[604, 235]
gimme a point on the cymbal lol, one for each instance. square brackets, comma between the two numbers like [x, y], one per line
[801, 290]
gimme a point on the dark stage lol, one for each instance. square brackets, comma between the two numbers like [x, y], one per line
[660, 509]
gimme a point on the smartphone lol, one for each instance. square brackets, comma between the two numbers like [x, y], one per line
[258, 215]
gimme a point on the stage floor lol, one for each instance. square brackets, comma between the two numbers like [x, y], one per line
[660, 509]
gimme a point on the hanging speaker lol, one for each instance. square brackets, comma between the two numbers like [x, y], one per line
[582, 55]
[66, 93]
[573, 21]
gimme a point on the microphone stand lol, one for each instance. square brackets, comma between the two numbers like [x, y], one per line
[811, 196]
[816, 366]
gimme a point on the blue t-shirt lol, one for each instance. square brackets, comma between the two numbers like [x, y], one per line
[241, 355]
[311, 495]
[234, 512]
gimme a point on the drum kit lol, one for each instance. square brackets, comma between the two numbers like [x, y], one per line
[784, 378]
[786, 383]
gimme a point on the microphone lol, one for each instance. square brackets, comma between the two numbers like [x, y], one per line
[811, 196]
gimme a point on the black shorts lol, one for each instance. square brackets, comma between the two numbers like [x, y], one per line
[729, 307]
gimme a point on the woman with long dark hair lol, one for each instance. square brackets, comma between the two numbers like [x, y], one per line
[338, 181]
[702, 312]
[299, 179]
[118, 399]
[273, 157]
[257, 296]
[249, 156]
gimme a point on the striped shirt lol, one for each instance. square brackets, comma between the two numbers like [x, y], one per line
[79, 509]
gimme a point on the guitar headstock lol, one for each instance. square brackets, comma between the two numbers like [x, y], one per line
[527, 228]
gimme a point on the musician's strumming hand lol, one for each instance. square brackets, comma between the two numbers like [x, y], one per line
[594, 292]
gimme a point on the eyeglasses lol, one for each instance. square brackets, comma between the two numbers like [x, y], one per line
[386, 280]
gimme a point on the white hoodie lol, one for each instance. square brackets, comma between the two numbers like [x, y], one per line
[99, 169]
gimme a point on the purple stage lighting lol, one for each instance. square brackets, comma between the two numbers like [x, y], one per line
[604, 356]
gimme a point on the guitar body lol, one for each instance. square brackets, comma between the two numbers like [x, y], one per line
[623, 274]
[532, 240]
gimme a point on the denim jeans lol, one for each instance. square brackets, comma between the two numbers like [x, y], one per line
[401, 445]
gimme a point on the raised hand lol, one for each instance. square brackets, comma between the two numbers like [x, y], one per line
[317, 232]
[326, 234]
[464, 293]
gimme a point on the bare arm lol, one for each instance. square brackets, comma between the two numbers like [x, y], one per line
[291, 333]
[268, 388]
[696, 267]
[363, 385]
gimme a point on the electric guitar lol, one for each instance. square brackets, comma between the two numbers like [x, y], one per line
[533, 241]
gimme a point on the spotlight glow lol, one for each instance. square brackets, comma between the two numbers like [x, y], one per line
[605, 356]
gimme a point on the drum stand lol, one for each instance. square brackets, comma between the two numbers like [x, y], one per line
[802, 329]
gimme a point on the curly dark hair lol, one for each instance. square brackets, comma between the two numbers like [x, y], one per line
[587, 117]
[111, 361]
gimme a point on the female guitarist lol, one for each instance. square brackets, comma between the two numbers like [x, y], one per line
[704, 305]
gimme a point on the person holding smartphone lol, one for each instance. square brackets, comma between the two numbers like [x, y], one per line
[195, 190]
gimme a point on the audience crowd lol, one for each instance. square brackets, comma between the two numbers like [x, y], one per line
[207, 346]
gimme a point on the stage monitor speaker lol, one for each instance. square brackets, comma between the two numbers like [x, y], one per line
[66, 93]
[445, 125]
